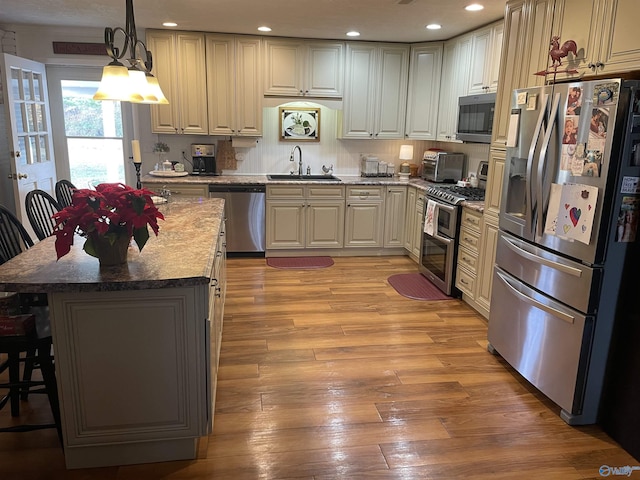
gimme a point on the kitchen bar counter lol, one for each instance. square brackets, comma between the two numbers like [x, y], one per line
[135, 345]
[181, 255]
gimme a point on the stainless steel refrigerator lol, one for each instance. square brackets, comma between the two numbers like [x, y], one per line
[570, 204]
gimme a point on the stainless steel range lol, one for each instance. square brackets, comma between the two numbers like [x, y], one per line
[441, 228]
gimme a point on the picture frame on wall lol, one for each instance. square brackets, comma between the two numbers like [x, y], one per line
[299, 124]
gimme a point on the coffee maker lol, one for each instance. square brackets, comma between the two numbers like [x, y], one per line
[203, 157]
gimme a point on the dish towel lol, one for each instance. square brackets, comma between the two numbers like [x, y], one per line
[428, 217]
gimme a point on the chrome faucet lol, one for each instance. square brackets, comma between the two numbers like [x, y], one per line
[291, 158]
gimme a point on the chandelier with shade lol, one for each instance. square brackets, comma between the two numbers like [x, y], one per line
[134, 83]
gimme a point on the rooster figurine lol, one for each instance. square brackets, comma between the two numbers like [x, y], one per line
[557, 52]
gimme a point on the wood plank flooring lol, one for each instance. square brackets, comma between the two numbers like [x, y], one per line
[330, 374]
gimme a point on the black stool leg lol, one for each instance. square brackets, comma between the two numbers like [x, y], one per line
[28, 370]
[14, 380]
[49, 377]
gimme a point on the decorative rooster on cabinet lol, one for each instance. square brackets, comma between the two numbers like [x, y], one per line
[558, 52]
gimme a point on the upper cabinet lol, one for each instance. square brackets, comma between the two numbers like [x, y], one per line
[605, 34]
[527, 30]
[424, 91]
[375, 98]
[179, 65]
[453, 85]
[301, 68]
[234, 87]
[486, 47]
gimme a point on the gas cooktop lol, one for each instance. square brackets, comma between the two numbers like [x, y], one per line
[454, 194]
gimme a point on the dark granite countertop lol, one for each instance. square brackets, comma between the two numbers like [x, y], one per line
[181, 255]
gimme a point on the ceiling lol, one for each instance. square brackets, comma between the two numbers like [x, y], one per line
[376, 20]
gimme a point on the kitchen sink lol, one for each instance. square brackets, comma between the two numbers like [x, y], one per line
[325, 178]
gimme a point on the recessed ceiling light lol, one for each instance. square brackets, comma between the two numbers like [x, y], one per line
[434, 26]
[353, 34]
[169, 24]
[474, 7]
[264, 29]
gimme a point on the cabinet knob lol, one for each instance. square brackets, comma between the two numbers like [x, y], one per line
[591, 65]
[599, 65]
[22, 175]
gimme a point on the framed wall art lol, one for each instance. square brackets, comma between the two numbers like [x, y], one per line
[300, 124]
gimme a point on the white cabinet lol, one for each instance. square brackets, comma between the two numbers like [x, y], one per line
[423, 91]
[486, 46]
[605, 32]
[468, 249]
[413, 222]
[527, 30]
[179, 65]
[364, 216]
[375, 98]
[304, 216]
[295, 67]
[395, 204]
[179, 189]
[453, 85]
[234, 88]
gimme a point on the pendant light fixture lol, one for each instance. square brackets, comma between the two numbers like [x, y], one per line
[134, 83]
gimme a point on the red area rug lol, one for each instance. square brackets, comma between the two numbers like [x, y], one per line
[416, 287]
[299, 263]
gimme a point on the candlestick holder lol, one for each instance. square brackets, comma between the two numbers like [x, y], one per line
[137, 167]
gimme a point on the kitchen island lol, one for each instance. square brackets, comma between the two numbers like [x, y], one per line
[136, 346]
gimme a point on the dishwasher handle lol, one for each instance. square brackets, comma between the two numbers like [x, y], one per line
[216, 188]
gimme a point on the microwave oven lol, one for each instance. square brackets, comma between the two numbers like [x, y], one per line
[475, 117]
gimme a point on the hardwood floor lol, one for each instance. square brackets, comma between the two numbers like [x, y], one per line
[330, 373]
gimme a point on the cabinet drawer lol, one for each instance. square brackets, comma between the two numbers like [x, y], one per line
[288, 192]
[470, 239]
[468, 259]
[365, 193]
[471, 219]
[465, 281]
[333, 192]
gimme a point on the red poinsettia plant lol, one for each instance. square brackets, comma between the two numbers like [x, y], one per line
[112, 210]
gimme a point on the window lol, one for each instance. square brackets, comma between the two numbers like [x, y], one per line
[90, 137]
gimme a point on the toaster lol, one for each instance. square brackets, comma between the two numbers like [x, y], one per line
[444, 167]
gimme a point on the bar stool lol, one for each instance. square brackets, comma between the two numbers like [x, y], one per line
[36, 350]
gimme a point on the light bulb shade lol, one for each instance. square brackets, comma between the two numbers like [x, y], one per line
[155, 90]
[114, 84]
[140, 91]
[406, 152]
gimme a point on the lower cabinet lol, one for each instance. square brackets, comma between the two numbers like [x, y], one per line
[364, 221]
[414, 216]
[217, 295]
[305, 216]
[487, 260]
[468, 254]
[395, 204]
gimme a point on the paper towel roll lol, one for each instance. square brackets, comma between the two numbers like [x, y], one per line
[241, 142]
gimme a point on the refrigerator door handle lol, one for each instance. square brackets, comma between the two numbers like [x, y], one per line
[530, 159]
[542, 165]
[525, 298]
[535, 258]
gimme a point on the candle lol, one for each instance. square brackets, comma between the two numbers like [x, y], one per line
[135, 147]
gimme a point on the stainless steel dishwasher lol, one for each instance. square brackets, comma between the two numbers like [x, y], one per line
[245, 214]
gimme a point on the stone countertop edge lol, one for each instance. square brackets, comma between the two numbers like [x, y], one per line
[181, 255]
[263, 180]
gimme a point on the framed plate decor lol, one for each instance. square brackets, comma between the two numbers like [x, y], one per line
[300, 124]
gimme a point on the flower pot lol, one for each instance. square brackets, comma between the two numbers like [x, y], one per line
[109, 254]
